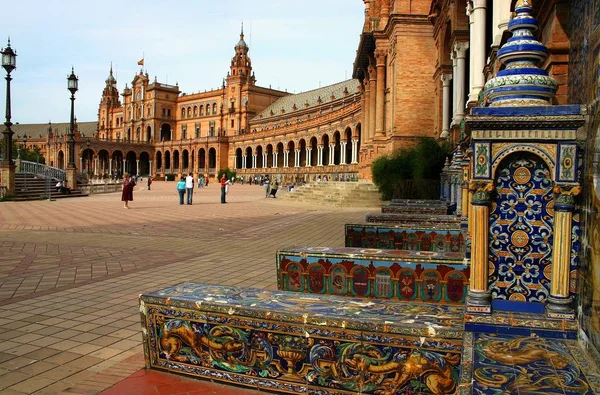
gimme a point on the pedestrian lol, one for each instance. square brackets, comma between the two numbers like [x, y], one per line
[206, 180]
[223, 188]
[200, 181]
[267, 188]
[189, 187]
[127, 194]
[274, 189]
[149, 182]
[181, 189]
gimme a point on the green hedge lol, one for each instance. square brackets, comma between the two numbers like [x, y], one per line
[422, 164]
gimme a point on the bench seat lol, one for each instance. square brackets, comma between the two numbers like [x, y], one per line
[290, 343]
[413, 219]
[399, 275]
[438, 238]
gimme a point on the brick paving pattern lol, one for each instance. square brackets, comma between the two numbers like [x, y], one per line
[71, 272]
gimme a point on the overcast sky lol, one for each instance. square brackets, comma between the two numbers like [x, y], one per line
[294, 45]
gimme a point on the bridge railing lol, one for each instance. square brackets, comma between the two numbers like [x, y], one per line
[41, 170]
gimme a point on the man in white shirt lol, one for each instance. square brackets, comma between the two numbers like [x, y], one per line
[189, 187]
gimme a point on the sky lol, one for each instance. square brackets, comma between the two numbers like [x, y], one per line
[294, 45]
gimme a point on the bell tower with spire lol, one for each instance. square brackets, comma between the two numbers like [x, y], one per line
[239, 80]
[108, 105]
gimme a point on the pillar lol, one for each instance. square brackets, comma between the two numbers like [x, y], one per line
[110, 167]
[150, 172]
[96, 166]
[354, 151]
[343, 152]
[477, 45]
[254, 160]
[461, 49]
[320, 155]
[275, 162]
[365, 109]
[308, 157]
[137, 167]
[380, 100]
[478, 297]
[264, 161]
[244, 166]
[373, 101]
[286, 155]
[559, 301]
[297, 158]
[331, 154]
[446, 78]
[500, 18]
[123, 169]
[81, 163]
[454, 74]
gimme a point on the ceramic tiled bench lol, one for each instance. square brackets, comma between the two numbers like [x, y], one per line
[309, 344]
[402, 237]
[399, 275]
[413, 209]
[413, 219]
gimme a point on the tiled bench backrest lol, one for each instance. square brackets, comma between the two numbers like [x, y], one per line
[286, 342]
[416, 220]
[418, 202]
[398, 275]
[403, 237]
[429, 210]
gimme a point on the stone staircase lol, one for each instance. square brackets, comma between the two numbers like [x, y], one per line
[332, 193]
[36, 187]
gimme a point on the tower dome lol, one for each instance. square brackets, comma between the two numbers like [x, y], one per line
[522, 82]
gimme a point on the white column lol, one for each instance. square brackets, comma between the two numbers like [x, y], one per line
[460, 48]
[343, 153]
[244, 161]
[95, 166]
[477, 46]
[308, 156]
[264, 161]
[124, 168]
[354, 151]
[80, 163]
[286, 154]
[150, 167]
[254, 159]
[454, 79]
[274, 159]
[500, 18]
[297, 158]
[320, 156]
[331, 156]
[110, 167]
[472, 39]
[137, 167]
[446, 78]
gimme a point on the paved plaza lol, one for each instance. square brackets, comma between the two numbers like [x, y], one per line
[71, 271]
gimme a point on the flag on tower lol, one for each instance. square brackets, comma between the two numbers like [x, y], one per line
[141, 62]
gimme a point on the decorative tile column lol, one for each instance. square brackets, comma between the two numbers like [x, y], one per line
[478, 297]
[559, 301]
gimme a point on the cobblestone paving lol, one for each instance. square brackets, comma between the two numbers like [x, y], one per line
[71, 272]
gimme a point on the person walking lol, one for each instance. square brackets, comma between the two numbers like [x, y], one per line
[189, 187]
[127, 194]
[181, 189]
[267, 189]
[274, 189]
[223, 188]
[149, 182]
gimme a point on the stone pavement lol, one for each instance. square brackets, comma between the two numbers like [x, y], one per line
[71, 272]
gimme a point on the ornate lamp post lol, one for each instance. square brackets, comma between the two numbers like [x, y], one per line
[9, 62]
[72, 83]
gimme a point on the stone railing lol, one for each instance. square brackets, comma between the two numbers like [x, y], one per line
[41, 170]
[103, 186]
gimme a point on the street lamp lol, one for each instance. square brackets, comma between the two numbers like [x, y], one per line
[9, 62]
[72, 83]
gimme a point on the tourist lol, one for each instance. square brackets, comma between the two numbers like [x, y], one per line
[127, 194]
[200, 182]
[267, 188]
[58, 186]
[189, 187]
[181, 189]
[223, 188]
[274, 189]
[149, 182]
[206, 180]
